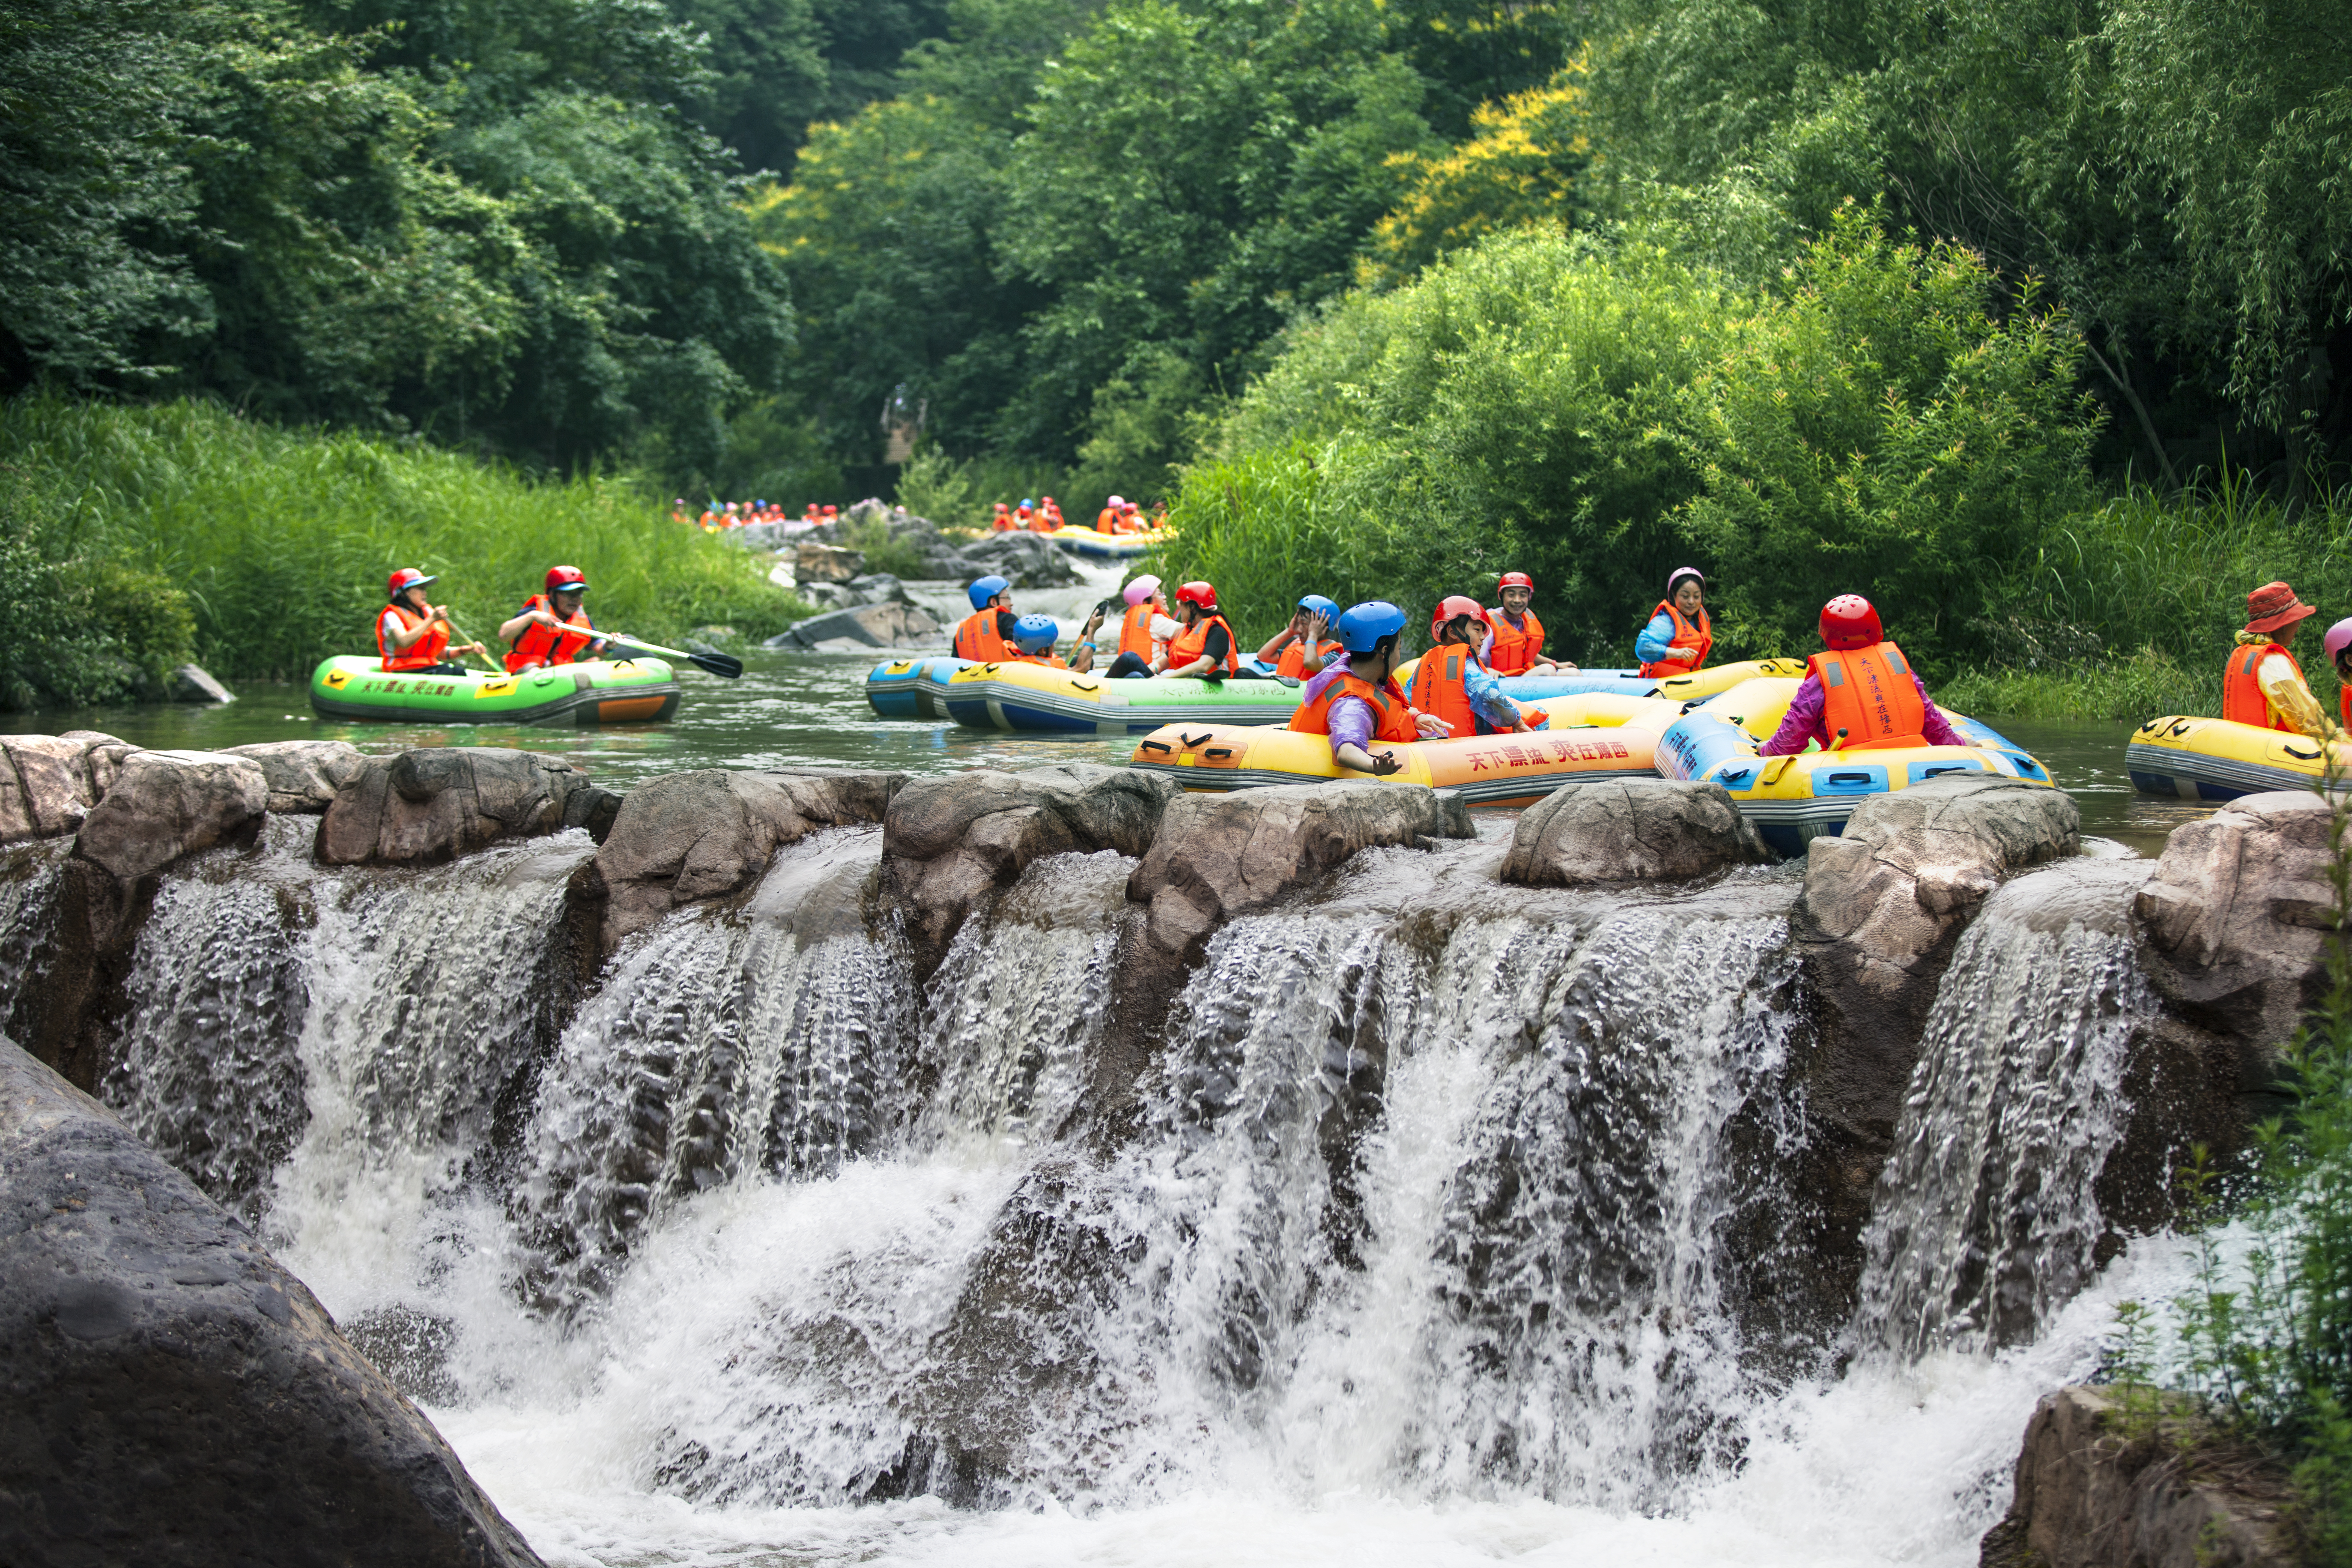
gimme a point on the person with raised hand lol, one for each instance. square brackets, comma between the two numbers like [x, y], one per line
[1300, 648]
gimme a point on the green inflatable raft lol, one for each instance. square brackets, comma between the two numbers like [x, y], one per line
[601, 691]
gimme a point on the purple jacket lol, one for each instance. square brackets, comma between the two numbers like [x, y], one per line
[1350, 718]
[1804, 722]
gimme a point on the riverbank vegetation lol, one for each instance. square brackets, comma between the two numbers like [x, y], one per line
[137, 538]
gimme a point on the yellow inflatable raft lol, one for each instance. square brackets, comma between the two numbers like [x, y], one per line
[2187, 758]
[1614, 736]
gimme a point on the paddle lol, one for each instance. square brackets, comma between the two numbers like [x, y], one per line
[496, 668]
[719, 664]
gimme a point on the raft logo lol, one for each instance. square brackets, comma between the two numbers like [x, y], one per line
[338, 679]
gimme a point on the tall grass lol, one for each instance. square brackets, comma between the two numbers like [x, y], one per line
[282, 540]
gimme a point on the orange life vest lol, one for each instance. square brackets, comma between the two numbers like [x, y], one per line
[1391, 714]
[1105, 521]
[978, 639]
[2344, 704]
[1050, 660]
[1040, 523]
[1700, 635]
[1135, 629]
[1515, 649]
[423, 653]
[1193, 640]
[1870, 694]
[1002, 523]
[1292, 662]
[1439, 687]
[536, 645]
[2242, 702]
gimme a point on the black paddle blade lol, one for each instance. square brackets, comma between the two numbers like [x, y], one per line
[717, 663]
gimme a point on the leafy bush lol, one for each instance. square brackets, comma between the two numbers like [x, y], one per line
[282, 540]
[80, 630]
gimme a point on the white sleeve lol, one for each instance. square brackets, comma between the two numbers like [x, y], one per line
[1165, 630]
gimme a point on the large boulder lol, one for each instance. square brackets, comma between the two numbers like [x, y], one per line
[1626, 830]
[170, 1394]
[1883, 905]
[2238, 912]
[435, 803]
[814, 563]
[48, 783]
[889, 624]
[304, 777]
[949, 844]
[684, 838]
[165, 804]
[193, 683]
[1028, 560]
[2091, 1493]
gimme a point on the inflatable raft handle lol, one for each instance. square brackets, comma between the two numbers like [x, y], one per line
[2307, 756]
[1161, 746]
[1189, 742]
[2181, 728]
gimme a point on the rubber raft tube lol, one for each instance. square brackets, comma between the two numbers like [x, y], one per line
[1609, 736]
[1793, 799]
[600, 691]
[1101, 546]
[2186, 758]
[1034, 699]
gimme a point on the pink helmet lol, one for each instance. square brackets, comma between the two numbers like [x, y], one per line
[1142, 588]
[2339, 638]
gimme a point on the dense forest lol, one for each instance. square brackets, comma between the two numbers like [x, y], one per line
[2032, 318]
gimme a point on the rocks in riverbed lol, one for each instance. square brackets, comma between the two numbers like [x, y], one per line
[814, 563]
[165, 804]
[48, 783]
[190, 683]
[2088, 1495]
[170, 1394]
[2238, 912]
[950, 843]
[435, 803]
[1623, 830]
[1026, 560]
[891, 623]
[688, 836]
[1882, 907]
[304, 777]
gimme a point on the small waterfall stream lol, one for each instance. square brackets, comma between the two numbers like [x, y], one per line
[1434, 1238]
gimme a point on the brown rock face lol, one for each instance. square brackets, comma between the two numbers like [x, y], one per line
[436, 804]
[1882, 907]
[950, 843]
[1626, 830]
[48, 783]
[2238, 912]
[165, 804]
[703, 835]
[304, 777]
[169, 1394]
[2087, 1497]
[826, 563]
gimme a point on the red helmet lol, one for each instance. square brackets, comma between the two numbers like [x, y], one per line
[1848, 621]
[1201, 593]
[1454, 606]
[408, 577]
[1517, 580]
[561, 577]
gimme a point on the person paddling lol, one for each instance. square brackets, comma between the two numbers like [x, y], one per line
[1355, 701]
[553, 629]
[411, 637]
[1679, 635]
[985, 636]
[1452, 685]
[2262, 685]
[1516, 637]
[1299, 649]
[1860, 695]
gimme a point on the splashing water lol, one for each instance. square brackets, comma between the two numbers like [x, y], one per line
[28, 891]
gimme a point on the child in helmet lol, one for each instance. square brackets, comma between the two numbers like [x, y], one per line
[1514, 637]
[1034, 636]
[1299, 649]
[413, 636]
[1355, 701]
[553, 627]
[1204, 648]
[1451, 684]
[1860, 695]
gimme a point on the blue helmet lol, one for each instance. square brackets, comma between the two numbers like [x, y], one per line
[987, 588]
[1315, 603]
[1034, 634]
[1363, 626]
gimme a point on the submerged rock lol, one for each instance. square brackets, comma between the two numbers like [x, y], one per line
[2089, 1495]
[435, 803]
[2238, 913]
[304, 777]
[191, 683]
[688, 836]
[1624, 830]
[950, 843]
[170, 1394]
[890, 624]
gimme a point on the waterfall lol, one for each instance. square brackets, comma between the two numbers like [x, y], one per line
[28, 891]
[1986, 1220]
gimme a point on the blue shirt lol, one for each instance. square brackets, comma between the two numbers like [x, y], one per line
[1485, 690]
[1650, 647]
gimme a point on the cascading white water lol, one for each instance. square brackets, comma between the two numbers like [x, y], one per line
[28, 891]
[1429, 1247]
[1986, 1220]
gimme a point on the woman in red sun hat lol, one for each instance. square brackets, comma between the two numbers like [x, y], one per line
[2262, 685]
